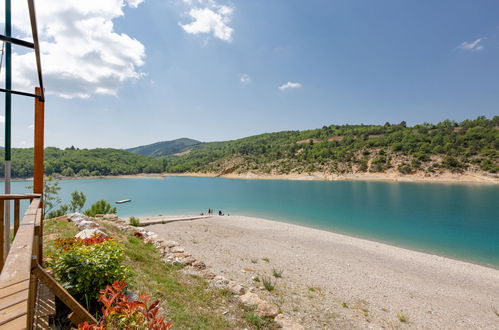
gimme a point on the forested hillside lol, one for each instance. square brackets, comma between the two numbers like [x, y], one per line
[83, 162]
[472, 145]
[164, 148]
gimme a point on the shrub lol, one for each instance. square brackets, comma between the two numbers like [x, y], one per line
[268, 284]
[84, 267]
[277, 273]
[119, 312]
[100, 207]
[134, 222]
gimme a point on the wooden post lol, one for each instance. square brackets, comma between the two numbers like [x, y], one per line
[2, 219]
[17, 211]
[38, 150]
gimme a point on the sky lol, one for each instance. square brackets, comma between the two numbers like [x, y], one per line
[123, 73]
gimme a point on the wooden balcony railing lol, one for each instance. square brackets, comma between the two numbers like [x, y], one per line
[22, 271]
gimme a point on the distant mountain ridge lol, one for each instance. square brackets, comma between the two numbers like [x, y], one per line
[165, 148]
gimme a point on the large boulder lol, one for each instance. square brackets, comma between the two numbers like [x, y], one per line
[77, 218]
[88, 233]
[86, 224]
[263, 308]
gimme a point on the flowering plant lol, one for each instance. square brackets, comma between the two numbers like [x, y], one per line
[119, 312]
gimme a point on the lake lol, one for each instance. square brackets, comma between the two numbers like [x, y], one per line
[454, 220]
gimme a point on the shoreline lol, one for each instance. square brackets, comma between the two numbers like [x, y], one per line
[433, 291]
[90, 177]
[151, 220]
[377, 177]
[381, 177]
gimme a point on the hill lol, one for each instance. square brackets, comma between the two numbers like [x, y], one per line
[83, 162]
[164, 148]
[428, 149]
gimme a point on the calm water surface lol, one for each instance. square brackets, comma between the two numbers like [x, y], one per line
[454, 220]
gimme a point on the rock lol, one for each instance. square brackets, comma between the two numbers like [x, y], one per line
[286, 323]
[77, 217]
[220, 282]
[86, 224]
[177, 249]
[182, 255]
[99, 216]
[110, 217]
[208, 275]
[199, 265]
[88, 233]
[237, 289]
[171, 244]
[187, 261]
[263, 308]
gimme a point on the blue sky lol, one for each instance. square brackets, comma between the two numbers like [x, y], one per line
[137, 72]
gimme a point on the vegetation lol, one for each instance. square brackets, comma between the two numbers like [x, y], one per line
[268, 284]
[471, 145]
[277, 273]
[86, 266]
[189, 302]
[77, 202]
[402, 317]
[164, 148]
[84, 162]
[120, 312]
[428, 148]
[100, 207]
[134, 222]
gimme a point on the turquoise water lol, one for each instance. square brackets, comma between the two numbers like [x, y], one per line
[455, 220]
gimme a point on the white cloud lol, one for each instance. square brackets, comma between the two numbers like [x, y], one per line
[32, 126]
[289, 85]
[211, 18]
[472, 46]
[82, 55]
[244, 78]
[2, 119]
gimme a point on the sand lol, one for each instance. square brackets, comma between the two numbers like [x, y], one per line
[392, 176]
[333, 281]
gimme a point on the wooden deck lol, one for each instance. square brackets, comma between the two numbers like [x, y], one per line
[27, 291]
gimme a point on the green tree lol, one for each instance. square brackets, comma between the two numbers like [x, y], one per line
[51, 197]
[68, 171]
[77, 202]
[100, 207]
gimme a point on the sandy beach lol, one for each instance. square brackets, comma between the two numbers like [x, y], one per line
[332, 281]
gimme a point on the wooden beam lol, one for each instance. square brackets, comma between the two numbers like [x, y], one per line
[17, 212]
[80, 314]
[18, 196]
[2, 224]
[38, 146]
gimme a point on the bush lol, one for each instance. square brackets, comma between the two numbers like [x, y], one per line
[84, 267]
[121, 313]
[100, 207]
[134, 222]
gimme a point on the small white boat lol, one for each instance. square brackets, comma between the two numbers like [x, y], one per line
[123, 201]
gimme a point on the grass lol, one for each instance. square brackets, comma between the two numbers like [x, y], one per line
[277, 273]
[52, 230]
[344, 305]
[402, 317]
[268, 284]
[495, 311]
[189, 302]
[134, 222]
[257, 321]
[254, 261]
[266, 259]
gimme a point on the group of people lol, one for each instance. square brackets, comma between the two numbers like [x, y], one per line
[210, 211]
